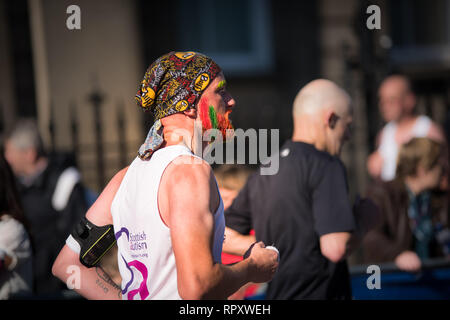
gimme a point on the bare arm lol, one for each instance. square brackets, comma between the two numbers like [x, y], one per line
[436, 133]
[334, 245]
[236, 243]
[191, 221]
[91, 283]
[339, 245]
[375, 160]
[94, 282]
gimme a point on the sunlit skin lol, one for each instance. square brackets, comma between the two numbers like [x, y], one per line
[323, 116]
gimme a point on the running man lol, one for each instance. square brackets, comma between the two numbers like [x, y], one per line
[165, 207]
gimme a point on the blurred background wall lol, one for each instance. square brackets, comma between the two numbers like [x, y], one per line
[80, 84]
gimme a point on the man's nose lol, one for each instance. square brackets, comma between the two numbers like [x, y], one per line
[229, 101]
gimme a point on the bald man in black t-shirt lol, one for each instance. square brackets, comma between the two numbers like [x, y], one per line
[304, 209]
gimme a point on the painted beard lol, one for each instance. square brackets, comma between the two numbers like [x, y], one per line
[212, 120]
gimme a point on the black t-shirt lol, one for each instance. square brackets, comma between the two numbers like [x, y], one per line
[306, 199]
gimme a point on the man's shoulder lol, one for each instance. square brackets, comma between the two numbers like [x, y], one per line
[190, 182]
[300, 149]
[188, 170]
[298, 160]
[189, 164]
[307, 157]
[170, 160]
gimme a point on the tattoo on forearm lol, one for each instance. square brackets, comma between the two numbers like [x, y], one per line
[106, 278]
[102, 286]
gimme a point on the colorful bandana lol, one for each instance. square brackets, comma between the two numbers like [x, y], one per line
[172, 84]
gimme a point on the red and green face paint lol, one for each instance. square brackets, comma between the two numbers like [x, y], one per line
[212, 120]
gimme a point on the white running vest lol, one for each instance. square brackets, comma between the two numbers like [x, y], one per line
[389, 148]
[145, 255]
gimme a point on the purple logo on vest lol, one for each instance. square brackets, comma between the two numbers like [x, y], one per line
[137, 242]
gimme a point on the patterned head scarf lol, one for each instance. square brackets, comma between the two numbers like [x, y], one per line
[172, 84]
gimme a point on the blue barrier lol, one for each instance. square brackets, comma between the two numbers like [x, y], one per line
[431, 283]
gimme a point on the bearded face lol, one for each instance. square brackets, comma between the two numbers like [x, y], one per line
[211, 119]
[215, 106]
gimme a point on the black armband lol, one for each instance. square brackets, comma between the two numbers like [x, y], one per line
[94, 241]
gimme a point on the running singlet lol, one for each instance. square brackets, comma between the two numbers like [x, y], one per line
[145, 254]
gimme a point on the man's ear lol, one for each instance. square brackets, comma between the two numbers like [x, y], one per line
[331, 118]
[191, 112]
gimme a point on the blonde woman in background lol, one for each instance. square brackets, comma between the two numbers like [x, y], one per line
[414, 209]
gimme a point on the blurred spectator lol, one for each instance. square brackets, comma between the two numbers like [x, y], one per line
[304, 210]
[231, 179]
[414, 224]
[16, 272]
[397, 102]
[52, 196]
